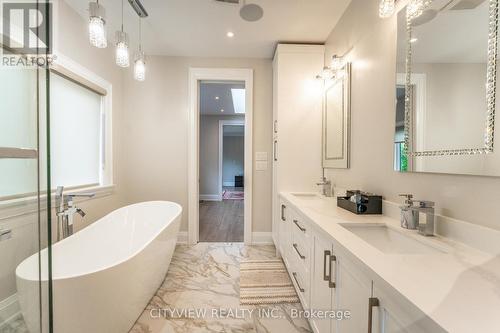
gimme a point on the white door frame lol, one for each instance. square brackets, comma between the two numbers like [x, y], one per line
[220, 74]
[223, 123]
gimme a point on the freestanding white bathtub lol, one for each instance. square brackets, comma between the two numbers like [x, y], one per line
[104, 275]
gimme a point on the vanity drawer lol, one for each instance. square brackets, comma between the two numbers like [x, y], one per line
[300, 228]
[300, 250]
[301, 281]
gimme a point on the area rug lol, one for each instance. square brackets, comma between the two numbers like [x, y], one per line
[233, 195]
[265, 282]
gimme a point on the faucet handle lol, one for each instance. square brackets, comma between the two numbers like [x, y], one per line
[408, 198]
[425, 203]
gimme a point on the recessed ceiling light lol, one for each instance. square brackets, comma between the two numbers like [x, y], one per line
[216, 97]
[414, 40]
[230, 34]
[221, 110]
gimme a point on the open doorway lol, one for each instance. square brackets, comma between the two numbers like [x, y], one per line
[221, 161]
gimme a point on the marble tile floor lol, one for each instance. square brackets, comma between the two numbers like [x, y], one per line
[205, 278]
[14, 325]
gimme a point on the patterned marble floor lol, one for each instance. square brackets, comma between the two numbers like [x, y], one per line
[205, 278]
[15, 325]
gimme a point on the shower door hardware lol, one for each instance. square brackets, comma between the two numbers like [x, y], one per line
[333, 262]
[5, 234]
[372, 302]
[299, 226]
[301, 256]
[297, 282]
[326, 254]
[283, 207]
[275, 126]
[18, 153]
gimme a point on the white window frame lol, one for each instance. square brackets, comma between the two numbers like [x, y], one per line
[25, 203]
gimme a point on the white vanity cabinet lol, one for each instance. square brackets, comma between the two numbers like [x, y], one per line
[338, 285]
[327, 277]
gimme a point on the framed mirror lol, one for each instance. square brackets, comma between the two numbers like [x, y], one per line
[336, 120]
[445, 89]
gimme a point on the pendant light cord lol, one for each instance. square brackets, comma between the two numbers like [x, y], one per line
[140, 35]
[122, 15]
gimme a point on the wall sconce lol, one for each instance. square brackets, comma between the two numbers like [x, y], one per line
[335, 70]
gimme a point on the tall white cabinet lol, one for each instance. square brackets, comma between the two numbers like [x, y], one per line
[297, 114]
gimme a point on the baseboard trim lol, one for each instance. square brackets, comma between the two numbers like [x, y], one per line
[9, 308]
[262, 238]
[258, 238]
[182, 237]
[210, 197]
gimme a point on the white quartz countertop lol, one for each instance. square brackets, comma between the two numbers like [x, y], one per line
[458, 288]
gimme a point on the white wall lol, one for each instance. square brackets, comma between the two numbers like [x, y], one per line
[209, 153]
[156, 127]
[371, 43]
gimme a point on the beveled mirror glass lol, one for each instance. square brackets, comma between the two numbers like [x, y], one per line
[446, 84]
[336, 120]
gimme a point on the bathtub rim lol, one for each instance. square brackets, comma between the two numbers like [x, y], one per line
[44, 277]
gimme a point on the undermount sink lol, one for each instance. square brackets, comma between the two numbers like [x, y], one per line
[305, 195]
[390, 241]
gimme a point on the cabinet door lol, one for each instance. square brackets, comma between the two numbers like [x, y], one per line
[285, 213]
[321, 291]
[394, 314]
[353, 291]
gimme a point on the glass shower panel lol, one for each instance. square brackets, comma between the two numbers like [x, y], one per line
[25, 280]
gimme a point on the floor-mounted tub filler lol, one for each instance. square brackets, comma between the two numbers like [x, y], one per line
[104, 275]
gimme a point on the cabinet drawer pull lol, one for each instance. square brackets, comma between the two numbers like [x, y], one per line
[283, 207]
[298, 252]
[275, 150]
[297, 282]
[326, 275]
[333, 261]
[372, 302]
[299, 226]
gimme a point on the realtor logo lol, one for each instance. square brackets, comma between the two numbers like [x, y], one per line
[27, 28]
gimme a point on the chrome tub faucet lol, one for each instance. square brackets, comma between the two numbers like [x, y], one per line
[66, 210]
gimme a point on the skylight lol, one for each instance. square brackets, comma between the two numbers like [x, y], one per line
[238, 100]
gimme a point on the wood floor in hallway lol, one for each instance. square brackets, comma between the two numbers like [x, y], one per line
[221, 221]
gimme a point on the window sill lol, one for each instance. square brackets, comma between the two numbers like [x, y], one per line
[29, 205]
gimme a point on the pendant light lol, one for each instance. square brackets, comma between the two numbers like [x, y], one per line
[140, 63]
[97, 25]
[122, 49]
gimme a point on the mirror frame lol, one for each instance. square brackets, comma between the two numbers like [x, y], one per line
[343, 161]
[491, 74]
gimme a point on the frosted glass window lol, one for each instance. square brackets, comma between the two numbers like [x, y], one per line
[18, 108]
[75, 137]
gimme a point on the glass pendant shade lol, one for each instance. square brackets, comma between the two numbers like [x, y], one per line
[140, 67]
[122, 50]
[386, 8]
[97, 26]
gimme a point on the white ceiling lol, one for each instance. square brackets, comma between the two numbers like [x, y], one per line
[199, 27]
[211, 105]
[453, 36]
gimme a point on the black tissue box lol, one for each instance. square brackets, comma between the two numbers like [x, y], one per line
[367, 203]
